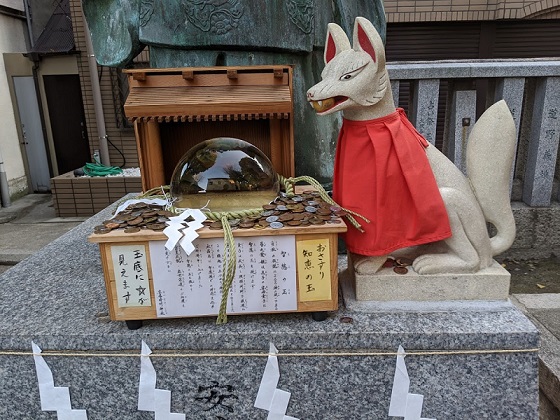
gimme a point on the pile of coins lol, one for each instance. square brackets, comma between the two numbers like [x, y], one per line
[304, 209]
[398, 264]
[135, 218]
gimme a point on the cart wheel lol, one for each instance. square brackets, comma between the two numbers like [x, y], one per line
[134, 325]
[319, 316]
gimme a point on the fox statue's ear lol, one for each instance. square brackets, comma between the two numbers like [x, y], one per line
[367, 39]
[336, 42]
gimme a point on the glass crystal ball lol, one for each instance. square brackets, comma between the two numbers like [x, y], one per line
[224, 174]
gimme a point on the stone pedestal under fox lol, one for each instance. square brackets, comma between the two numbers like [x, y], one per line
[413, 195]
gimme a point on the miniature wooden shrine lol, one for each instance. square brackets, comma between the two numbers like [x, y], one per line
[278, 270]
[175, 109]
[293, 269]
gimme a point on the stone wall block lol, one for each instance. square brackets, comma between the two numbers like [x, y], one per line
[461, 121]
[425, 108]
[543, 143]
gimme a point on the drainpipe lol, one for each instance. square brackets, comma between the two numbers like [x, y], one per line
[29, 22]
[97, 101]
[35, 70]
[36, 61]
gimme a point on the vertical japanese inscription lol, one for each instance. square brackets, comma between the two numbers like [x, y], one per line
[265, 279]
[314, 270]
[131, 275]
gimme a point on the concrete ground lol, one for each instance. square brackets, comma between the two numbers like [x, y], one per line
[30, 223]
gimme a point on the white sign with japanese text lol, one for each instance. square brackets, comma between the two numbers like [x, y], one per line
[190, 285]
[131, 275]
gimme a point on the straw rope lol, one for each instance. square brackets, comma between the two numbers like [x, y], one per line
[177, 354]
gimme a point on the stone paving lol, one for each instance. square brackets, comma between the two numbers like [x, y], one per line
[28, 225]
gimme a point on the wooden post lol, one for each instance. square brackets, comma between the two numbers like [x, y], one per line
[276, 147]
[150, 154]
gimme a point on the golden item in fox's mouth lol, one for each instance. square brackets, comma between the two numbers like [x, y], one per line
[323, 105]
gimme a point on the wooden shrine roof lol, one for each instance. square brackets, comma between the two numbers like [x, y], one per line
[214, 93]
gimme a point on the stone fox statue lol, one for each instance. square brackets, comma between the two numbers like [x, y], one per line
[413, 196]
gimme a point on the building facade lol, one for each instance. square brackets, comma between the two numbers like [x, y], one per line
[13, 35]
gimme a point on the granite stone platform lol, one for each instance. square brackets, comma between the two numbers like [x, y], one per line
[488, 284]
[481, 361]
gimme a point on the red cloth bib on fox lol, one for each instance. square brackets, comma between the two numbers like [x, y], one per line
[382, 172]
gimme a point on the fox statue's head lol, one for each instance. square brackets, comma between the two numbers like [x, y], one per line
[355, 77]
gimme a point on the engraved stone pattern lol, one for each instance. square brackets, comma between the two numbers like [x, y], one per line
[301, 14]
[233, 23]
[146, 11]
[426, 95]
[463, 106]
[217, 17]
[543, 143]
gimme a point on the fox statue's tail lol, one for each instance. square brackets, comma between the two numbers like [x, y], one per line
[490, 154]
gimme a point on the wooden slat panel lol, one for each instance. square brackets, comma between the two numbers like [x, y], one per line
[217, 95]
[223, 100]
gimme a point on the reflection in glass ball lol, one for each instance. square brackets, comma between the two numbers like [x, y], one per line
[224, 174]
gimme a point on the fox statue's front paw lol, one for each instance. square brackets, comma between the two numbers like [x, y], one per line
[366, 265]
[444, 263]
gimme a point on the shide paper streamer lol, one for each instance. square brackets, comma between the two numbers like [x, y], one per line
[404, 404]
[53, 398]
[178, 233]
[175, 231]
[269, 398]
[149, 397]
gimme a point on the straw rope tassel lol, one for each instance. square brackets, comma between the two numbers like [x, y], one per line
[228, 268]
[328, 199]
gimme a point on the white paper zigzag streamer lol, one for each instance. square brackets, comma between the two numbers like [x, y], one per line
[402, 403]
[53, 398]
[269, 398]
[177, 232]
[149, 397]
